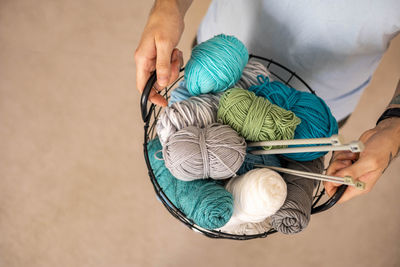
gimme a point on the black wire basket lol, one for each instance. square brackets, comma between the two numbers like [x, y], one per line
[150, 113]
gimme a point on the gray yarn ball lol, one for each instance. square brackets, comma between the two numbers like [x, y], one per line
[215, 151]
[250, 73]
[294, 215]
[195, 111]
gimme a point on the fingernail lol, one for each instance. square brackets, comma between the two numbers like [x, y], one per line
[162, 81]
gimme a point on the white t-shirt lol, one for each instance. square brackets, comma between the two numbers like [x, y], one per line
[335, 46]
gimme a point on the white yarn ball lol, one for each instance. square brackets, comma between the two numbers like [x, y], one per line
[257, 195]
[248, 228]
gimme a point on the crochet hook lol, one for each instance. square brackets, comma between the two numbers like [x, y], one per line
[347, 180]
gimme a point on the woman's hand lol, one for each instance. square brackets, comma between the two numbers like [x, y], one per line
[381, 146]
[156, 50]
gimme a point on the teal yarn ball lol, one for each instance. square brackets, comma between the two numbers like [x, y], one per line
[251, 160]
[317, 120]
[207, 203]
[215, 65]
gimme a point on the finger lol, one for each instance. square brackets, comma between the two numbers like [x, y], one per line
[345, 155]
[334, 166]
[158, 87]
[163, 64]
[369, 178]
[156, 98]
[145, 64]
[357, 169]
[337, 165]
[142, 76]
[176, 64]
[330, 188]
[350, 192]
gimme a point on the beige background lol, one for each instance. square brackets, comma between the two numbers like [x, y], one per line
[74, 189]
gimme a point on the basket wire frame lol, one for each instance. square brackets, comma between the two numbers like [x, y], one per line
[150, 113]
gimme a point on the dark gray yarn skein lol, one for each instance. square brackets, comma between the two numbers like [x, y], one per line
[215, 151]
[294, 215]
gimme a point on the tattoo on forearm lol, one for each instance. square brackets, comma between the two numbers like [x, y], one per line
[390, 160]
[395, 100]
[391, 157]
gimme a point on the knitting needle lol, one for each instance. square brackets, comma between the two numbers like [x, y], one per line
[334, 140]
[316, 176]
[355, 146]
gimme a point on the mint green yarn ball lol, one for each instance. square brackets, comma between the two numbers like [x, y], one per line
[215, 65]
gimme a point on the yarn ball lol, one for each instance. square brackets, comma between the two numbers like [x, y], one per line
[215, 151]
[249, 76]
[197, 111]
[251, 72]
[257, 195]
[215, 65]
[180, 93]
[205, 202]
[250, 160]
[294, 216]
[254, 117]
[316, 118]
[248, 228]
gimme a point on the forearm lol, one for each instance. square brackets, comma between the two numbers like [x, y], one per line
[392, 124]
[164, 5]
[395, 102]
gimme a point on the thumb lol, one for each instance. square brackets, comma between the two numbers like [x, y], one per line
[163, 62]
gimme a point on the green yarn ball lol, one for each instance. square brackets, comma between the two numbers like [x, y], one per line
[256, 118]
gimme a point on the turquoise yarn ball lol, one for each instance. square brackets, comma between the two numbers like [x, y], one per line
[206, 202]
[316, 118]
[215, 65]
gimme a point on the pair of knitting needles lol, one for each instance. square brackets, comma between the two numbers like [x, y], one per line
[335, 144]
[347, 180]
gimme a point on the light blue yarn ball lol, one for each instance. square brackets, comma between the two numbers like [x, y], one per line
[215, 65]
[316, 118]
[179, 94]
